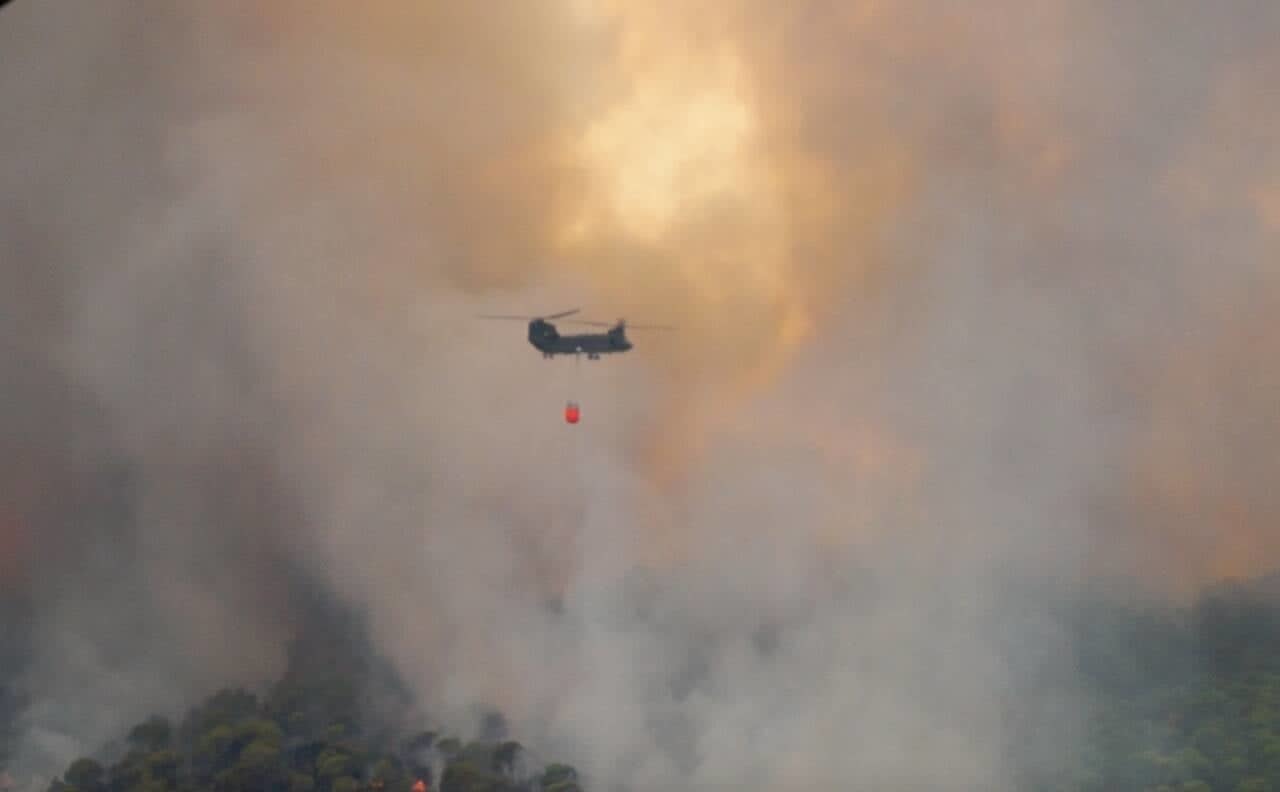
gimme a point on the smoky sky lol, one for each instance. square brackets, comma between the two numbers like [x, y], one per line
[969, 297]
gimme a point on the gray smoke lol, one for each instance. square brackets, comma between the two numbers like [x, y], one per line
[141, 518]
[242, 249]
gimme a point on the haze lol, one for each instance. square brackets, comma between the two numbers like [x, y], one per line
[977, 311]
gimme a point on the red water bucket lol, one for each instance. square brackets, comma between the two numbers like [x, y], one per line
[572, 413]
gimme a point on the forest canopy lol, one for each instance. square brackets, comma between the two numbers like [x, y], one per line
[1183, 699]
[331, 723]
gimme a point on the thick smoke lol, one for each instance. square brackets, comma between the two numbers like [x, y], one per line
[975, 307]
[140, 515]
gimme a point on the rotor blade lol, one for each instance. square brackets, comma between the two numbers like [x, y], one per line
[562, 313]
[627, 325]
[504, 316]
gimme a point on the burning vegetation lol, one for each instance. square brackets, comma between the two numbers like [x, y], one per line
[338, 720]
[1181, 699]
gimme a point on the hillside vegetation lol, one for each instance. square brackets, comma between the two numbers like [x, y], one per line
[1178, 700]
[333, 723]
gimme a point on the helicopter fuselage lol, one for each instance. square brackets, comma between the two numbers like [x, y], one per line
[546, 339]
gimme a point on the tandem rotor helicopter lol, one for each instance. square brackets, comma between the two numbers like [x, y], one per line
[546, 339]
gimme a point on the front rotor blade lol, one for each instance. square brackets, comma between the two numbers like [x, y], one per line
[503, 316]
[588, 322]
[562, 313]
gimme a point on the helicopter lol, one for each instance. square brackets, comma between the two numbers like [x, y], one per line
[544, 336]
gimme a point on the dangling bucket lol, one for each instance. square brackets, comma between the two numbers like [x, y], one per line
[572, 413]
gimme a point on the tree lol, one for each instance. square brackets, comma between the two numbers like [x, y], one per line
[155, 734]
[560, 778]
[463, 776]
[505, 757]
[417, 753]
[449, 747]
[86, 775]
[390, 772]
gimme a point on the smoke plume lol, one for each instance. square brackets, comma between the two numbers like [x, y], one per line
[974, 311]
